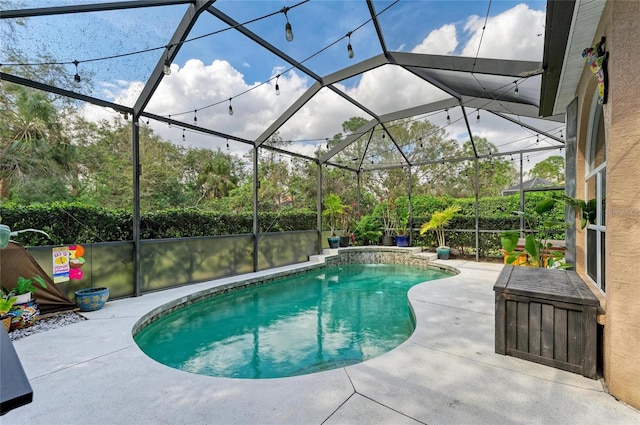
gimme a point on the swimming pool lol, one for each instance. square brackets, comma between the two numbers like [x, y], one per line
[319, 320]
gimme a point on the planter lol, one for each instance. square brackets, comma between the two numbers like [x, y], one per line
[24, 298]
[23, 315]
[6, 322]
[344, 241]
[443, 252]
[334, 242]
[90, 299]
[402, 240]
[387, 240]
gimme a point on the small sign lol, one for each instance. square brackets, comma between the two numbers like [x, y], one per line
[60, 264]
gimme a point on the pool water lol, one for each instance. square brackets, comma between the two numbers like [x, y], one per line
[319, 320]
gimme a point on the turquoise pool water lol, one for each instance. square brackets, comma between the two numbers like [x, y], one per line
[320, 320]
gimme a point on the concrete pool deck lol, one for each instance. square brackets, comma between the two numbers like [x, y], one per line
[92, 372]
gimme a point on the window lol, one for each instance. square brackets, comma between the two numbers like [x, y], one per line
[596, 188]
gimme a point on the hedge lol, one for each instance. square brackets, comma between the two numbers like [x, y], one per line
[69, 223]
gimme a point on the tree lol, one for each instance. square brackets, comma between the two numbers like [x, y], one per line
[494, 173]
[551, 169]
[35, 154]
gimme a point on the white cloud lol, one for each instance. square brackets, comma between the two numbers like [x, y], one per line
[512, 34]
[442, 41]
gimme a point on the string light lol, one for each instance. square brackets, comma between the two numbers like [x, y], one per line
[516, 91]
[184, 138]
[478, 116]
[448, 117]
[288, 33]
[76, 77]
[227, 144]
[277, 86]
[561, 135]
[349, 48]
[537, 139]
[167, 64]
[195, 117]
[169, 121]
[383, 135]
[420, 140]
[230, 107]
[528, 158]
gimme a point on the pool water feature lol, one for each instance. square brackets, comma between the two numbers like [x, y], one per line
[318, 320]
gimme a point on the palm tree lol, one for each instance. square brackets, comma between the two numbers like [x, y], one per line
[439, 219]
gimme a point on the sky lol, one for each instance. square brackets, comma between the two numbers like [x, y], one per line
[211, 68]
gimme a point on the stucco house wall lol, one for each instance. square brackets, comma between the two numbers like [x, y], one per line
[621, 347]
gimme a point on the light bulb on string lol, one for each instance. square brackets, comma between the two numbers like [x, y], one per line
[288, 33]
[537, 139]
[76, 77]
[516, 91]
[195, 117]
[448, 117]
[169, 121]
[349, 48]
[420, 140]
[384, 135]
[230, 107]
[478, 117]
[561, 135]
[167, 64]
[227, 144]
[184, 138]
[277, 86]
[528, 158]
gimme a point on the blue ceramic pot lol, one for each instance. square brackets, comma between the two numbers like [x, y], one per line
[90, 299]
[402, 240]
[443, 253]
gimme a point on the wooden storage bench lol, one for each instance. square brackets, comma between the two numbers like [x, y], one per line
[546, 316]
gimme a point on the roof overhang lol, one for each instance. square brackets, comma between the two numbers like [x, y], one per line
[570, 28]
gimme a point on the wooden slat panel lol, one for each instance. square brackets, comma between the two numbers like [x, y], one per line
[589, 342]
[560, 335]
[574, 337]
[512, 308]
[522, 343]
[500, 325]
[546, 331]
[535, 316]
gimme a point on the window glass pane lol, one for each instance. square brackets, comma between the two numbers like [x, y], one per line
[602, 263]
[597, 151]
[604, 195]
[591, 190]
[592, 253]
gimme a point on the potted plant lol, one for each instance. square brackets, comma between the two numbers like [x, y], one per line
[333, 212]
[402, 239]
[389, 213]
[538, 250]
[25, 309]
[6, 303]
[439, 220]
[345, 226]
